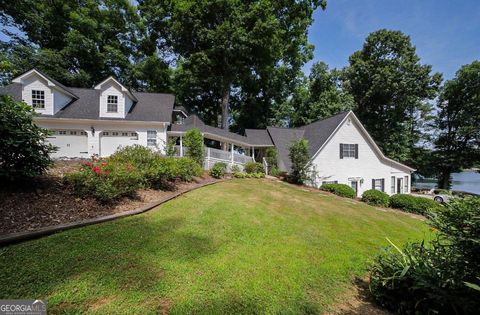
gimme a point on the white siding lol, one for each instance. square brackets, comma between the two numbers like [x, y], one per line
[112, 89]
[59, 100]
[368, 166]
[35, 82]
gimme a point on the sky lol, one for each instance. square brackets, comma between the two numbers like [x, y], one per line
[446, 33]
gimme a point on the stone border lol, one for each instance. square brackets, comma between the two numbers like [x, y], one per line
[12, 238]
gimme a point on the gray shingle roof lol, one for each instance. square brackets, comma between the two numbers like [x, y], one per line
[259, 137]
[60, 85]
[316, 133]
[149, 107]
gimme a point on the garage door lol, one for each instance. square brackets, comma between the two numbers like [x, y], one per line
[111, 141]
[70, 143]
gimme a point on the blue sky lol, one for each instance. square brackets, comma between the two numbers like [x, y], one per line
[446, 33]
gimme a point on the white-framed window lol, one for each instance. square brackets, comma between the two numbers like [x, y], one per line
[151, 137]
[114, 133]
[112, 103]
[38, 99]
[124, 134]
[347, 150]
[378, 184]
[392, 185]
[330, 182]
[73, 133]
[83, 133]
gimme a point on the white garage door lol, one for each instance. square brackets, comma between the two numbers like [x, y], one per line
[111, 141]
[70, 143]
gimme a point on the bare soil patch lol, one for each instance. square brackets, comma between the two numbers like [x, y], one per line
[50, 202]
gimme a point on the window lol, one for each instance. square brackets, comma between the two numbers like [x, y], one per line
[114, 133]
[62, 132]
[73, 133]
[124, 134]
[348, 150]
[378, 184]
[112, 103]
[151, 137]
[330, 182]
[405, 183]
[38, 99]
[83, 133]
[392, 185]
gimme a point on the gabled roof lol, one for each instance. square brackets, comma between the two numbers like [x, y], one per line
[259, 137]
[149, 106]
[51, 82]
[123, 88]
[283, 138]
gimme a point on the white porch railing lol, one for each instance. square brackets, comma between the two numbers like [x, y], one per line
[213, 155]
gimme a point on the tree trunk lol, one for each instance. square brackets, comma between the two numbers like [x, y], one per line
[444, 179]
[225, 109]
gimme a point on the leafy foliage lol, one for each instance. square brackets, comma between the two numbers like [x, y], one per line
[376, 198]
[249, 175]
[458, 142]
[301, 172]
[389, 84]
[341, 190]
[193, 142]
[414, 204]
[218, 170]
[438, 278]
[24, 152]
[253, 167]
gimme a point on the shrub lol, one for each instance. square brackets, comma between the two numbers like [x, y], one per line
[253, 167]
[438, 278]
[376, 198]
[137, 155]
[408, 203]
[341, 190]
[187, 169]
[249, 175]
[218, 170]
[193, 142]
[164, 171]
[24, 152]
[301, 165]
[105, 180]
[235, 169]
[239, 175]
[271, 155]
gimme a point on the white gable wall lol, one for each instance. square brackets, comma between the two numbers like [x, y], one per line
[368, 166]
[35, 82]
[112, 89]
[60, 100]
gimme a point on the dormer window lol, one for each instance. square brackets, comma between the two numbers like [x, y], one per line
[112, 103]
[38, 99]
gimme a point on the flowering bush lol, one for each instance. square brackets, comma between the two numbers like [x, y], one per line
[105, 180]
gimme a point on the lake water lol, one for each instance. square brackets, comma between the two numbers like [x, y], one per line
[464, 181]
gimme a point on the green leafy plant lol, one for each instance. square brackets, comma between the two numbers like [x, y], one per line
[136, 155]
[234, 169]
[341, 190]
[218, 170]
[418, 205]
[170, 147]
[253, 167]
[436, 278]
[24, 152]
[376, 198]
[193, 142]
[301, 172]
[249, 175]
[164, 171]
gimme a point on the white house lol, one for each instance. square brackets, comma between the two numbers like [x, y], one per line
[98, 121]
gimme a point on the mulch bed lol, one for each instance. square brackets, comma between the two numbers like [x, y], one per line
[49, 202]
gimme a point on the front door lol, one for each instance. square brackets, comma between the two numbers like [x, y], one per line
[354, 185]
[399, 185]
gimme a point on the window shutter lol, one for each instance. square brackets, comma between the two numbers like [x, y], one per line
[341, 150]
[373, 183]
[356, 151]
[383, 184]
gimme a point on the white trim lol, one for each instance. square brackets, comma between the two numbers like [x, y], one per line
[102, 121]
[123, 88]
[369, 138]
[179, 110]
[220, 138]
[21, 77]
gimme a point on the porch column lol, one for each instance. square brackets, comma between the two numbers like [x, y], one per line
[253, 152]
[181, 145]
[231, 153]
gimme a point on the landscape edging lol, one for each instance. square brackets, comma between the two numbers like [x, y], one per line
[16, 237]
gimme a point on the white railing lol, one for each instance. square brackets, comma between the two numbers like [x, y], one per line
[265, 166]
[213, 155]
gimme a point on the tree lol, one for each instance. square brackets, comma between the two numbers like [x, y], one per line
[392, 91]
[193, 143]
[319, 96]
[24, 152]
[301, 165]
[458, 142]
[227, 47]
[80, 43]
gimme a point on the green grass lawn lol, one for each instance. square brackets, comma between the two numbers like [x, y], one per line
[244, 246]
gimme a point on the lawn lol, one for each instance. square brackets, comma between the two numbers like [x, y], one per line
[242, 247]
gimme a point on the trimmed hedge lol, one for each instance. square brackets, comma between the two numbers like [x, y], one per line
[341, 190]
[218, 170]
[248, 175]
[413, 204]
[253, 167]
[376, 198]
